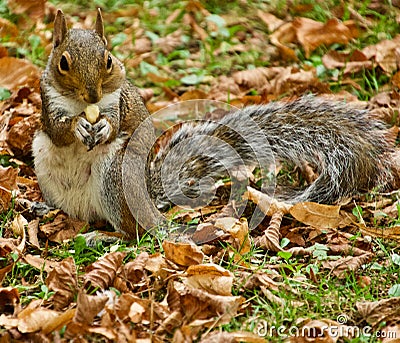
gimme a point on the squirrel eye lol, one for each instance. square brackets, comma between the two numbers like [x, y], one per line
[63, 65]
[109, 63]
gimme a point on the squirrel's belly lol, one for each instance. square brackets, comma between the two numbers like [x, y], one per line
[68, 177]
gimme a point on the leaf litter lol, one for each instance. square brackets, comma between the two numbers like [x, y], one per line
[179, 291]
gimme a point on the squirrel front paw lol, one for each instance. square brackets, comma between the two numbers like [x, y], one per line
[101, 131]
[92, 135]
[84, 132]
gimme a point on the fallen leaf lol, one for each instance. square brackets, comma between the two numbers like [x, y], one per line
[33, 229]
[9, 300]
[340, 267]
[352, 63]
[286, 33]
[318, 215]
[63, 227]
[87, 308]
[21, 134]
[136, 312]
[391, 232]
[8, 29]
[209, 277]
[63, 281]
[322, 331]
[270, 20]
[8, 183]
[18, 225]
[40, 263]
[266, 204]
[184, 254]
[374, 312]
[231, 337]
[34, 318]
[33, 9]
[199, 304]
[15, 72]
[386, 53]
[238, 229]
[101, 273]
[311, 34]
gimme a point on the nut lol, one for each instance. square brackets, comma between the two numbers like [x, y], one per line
[92, 113]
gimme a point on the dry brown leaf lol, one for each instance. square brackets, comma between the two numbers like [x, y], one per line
[63, 227]
[189, 19]
[184, 254]
[170, 42]
[346, 249]
[269, 20]
[352, 63]
[239, 230]
[63, 281]
[87, 307]
[231, 337]
[8, 29]
[286, 33]
[34, 318]
[318, 215]
[9, 300]
[320, 331]
[18, 225]
[157, 265]
[256, 78]
[311, 34]
[21, 134]
[391, 232]
[266, 204]
[8, 183]
[33, 229]
[5, 270]
[136, 312]
[271, 236]
[198, 304]
[390, 333]
[153, 310]
[101, 273]
[209, 277]
[386, 53]
[109, 333]
[340, 267]
[193, 94]
[376, 312]
[132, 274]
[15, 72]
[40, 263]
[34, 9]
[258, 279]
[56, 323]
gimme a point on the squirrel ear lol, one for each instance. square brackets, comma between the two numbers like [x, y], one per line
[100, 26]
[60, 28]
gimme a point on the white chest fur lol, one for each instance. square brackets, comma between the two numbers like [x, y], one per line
[70, 177]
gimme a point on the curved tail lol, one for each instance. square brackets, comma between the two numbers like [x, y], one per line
[346, 147]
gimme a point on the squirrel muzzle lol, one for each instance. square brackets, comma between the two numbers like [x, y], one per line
[92, 95]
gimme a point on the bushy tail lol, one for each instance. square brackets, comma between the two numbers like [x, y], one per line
[346, 147]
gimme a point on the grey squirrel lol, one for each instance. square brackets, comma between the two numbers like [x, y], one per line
[79, 153]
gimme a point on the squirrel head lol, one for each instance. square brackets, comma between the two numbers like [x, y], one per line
[80, 64]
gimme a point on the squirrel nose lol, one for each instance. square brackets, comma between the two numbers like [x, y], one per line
[92, 96]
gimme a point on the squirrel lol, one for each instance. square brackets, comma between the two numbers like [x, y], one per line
[79, 160]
